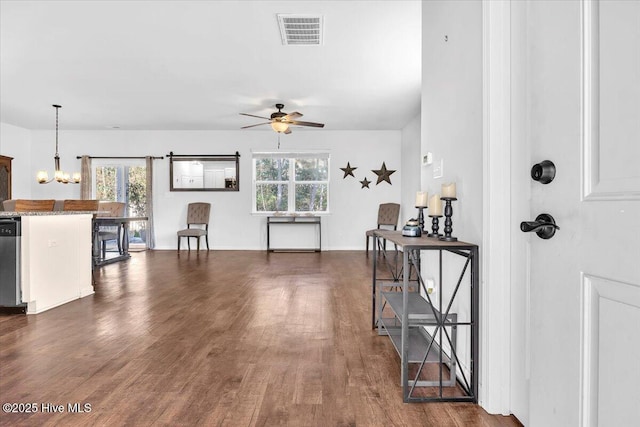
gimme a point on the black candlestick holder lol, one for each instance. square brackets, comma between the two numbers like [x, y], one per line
[448, 211]
[435, 225]
[421, 216]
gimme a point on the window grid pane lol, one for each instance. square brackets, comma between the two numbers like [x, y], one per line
[106, 184]
[311, 197]
[312, 169]
[272, 197]
[272, 169]
[291, 184]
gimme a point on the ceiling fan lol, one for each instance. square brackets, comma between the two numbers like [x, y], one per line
[280, 121]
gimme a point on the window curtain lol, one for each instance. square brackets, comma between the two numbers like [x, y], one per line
[151, 237]
[85, 178]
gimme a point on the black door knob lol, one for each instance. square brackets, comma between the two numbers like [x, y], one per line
[544, 226]
[543, 172]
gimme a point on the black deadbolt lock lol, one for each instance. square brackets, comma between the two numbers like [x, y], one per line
[543, 172]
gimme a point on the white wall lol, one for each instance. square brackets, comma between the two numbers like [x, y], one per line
[411, 164]
[16, 142]
[452, 107]
[452, 130]
[353, 209]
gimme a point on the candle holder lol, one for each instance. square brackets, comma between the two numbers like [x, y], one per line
[435, 225]
[421, 216]
[448, 211]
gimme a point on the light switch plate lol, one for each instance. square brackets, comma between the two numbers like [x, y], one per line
[427, 159]
[438, 168]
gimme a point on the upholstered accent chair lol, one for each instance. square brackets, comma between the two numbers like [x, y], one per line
[9, 205]
[388, 214]
[109, 233]
[198, 217]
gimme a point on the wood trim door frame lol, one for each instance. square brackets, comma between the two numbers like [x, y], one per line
[496, 266]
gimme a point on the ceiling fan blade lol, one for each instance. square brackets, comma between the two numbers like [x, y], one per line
[288, 131]
[315, 125]
[292, 116]
[259, 124]
[252, 115]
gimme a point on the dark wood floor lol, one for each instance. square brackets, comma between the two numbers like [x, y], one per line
[228, 338]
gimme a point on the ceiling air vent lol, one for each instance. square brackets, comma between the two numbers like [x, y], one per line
[300, 29]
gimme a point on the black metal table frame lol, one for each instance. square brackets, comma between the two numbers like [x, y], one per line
[411, 248]
[294, 220]
[102, 221]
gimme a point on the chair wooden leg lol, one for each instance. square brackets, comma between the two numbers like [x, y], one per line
[367, 246]
[206, 238]
[198, 244]
[189, 242]
[178, 243]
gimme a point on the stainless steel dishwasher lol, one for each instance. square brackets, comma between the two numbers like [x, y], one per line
[10, 289]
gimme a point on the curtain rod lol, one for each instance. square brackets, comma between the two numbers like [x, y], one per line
[121, 157]
[203, 155]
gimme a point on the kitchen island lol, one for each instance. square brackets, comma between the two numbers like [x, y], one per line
[55, 257]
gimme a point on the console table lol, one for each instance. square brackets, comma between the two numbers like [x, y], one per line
[294, 220]
[425, 330]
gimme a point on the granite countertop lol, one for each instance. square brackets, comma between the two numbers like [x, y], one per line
[46, 213]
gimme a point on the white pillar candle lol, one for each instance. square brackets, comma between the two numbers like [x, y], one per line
[421, 199]
[435, 205]
[449, 190]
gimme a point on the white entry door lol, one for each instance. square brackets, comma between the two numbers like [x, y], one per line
[583, 101]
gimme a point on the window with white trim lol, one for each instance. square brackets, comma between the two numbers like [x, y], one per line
[291, 182]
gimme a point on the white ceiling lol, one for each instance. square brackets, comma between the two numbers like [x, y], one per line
[195, 65]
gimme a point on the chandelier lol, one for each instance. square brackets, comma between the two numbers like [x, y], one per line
[59, 175]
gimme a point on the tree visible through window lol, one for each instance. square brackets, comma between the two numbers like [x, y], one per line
[125, 183]
[291, 182]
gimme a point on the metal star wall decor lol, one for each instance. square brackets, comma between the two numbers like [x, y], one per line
[365, 183]
[383, 173]
[348, 171]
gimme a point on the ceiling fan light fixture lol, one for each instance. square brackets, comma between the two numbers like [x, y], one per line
[280, 121]
[279, 127]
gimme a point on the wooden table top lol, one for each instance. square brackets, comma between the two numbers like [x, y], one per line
[422, 242]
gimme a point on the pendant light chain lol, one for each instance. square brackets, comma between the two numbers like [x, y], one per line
[57, 107]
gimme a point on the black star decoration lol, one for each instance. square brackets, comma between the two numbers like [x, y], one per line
[348, 171]
[383, 173]
[365, 183]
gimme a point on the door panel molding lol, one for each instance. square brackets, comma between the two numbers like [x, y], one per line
[595, 184]
[596, 291]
